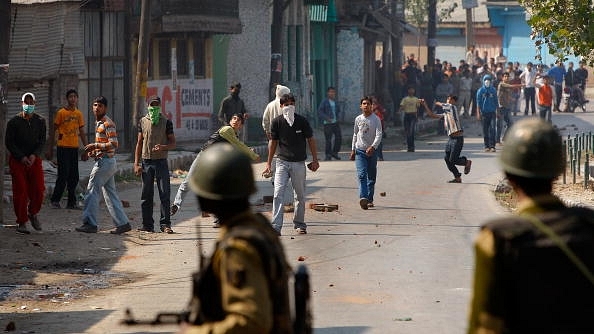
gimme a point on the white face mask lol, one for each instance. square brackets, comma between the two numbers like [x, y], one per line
[289, 114]
[487, 83]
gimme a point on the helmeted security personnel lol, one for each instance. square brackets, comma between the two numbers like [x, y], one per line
[533, 271]
[244, 286]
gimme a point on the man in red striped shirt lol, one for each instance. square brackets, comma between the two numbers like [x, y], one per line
[102, 174]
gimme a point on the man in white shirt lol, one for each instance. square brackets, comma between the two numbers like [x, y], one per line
[528, 78]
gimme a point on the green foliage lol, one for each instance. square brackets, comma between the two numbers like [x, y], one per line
[567, 26]
[416, 11]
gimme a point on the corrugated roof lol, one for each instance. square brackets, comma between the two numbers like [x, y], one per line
[46, 40]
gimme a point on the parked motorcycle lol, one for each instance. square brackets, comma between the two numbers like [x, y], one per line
[572, 99]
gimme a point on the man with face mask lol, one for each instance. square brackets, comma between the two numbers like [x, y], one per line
[289, 133]
[155, 139]
[487, 103]
[25, 140]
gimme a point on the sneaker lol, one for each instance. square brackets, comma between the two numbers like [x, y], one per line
[363, 202]
[87, 228]
[166, 229]
[55, 205]
[300, 230]
[493, 149]
[487, 149]
[467, 166]
[370, 204]
[216, 224]
[35, 222]
[22, 229]
[456, 180]
[122, 229]
[146, 229]
[174, 209]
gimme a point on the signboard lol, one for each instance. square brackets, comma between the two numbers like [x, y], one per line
[468, 4]
[189, 106]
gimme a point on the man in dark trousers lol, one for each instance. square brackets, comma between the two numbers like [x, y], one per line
[155, 140]
[232, 105]
[329, 112]
[533, 270]
[69, 126]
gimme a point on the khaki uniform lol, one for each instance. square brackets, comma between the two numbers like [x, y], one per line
[523, 282]
[244, 288]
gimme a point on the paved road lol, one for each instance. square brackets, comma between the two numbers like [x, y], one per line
[404, 266]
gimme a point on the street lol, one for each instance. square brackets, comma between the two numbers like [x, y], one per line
[404, 266]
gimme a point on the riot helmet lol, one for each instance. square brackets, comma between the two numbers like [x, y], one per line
[223, 172]
[533, 149]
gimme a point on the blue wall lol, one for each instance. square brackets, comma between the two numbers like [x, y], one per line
[515, 32]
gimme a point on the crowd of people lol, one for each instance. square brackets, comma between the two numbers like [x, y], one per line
[244, 288]
[465, 78]
[490, 89]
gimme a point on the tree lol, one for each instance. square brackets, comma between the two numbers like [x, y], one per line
[417, 14]
[567, 27]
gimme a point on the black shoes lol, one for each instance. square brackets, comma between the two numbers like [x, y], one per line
[166, 229]
[35, 222]
[335, 156]
[122, 229]
[22, 229]
[87, 228]
[146, 229]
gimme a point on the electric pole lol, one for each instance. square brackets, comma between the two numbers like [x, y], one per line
[276, 46]
[141, 69]
[4, 50]
[431, 33]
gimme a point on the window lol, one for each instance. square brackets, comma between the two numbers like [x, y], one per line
[199, 58]
[182, 57]
[164, 58]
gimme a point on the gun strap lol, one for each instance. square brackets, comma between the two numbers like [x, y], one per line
[561, 244]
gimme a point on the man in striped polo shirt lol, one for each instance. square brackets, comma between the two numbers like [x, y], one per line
[102, 174]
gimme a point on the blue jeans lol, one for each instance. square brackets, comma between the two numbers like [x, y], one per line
[507, 118]
[452, 155]
[366, 173]
[101, 179]
[295, 171]
[410, 123]
[184, 186]
[155, 169]
[488, 129]
[545, 112]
